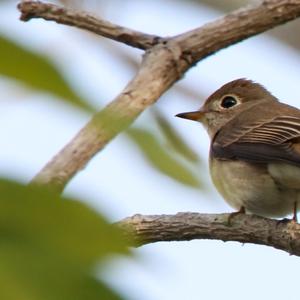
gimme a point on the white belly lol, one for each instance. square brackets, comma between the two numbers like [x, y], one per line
[260, 189]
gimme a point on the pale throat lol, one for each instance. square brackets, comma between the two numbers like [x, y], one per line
[213, 123]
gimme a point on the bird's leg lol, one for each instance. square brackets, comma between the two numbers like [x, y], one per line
[232, 215]
[295, 212]
[294, 219]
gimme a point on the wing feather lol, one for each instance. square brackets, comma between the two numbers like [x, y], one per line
[267, 141]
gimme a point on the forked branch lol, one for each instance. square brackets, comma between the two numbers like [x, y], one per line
[165, 62]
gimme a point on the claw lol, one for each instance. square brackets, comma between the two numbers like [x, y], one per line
[232, 215]
[294, 220]
[295, 213]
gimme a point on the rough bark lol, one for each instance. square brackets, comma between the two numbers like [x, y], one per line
[284, 235]
[166, 61]
[84, 20]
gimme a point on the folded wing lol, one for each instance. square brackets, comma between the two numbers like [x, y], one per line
[276, 139]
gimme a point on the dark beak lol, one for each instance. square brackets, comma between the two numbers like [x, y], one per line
[192, 115]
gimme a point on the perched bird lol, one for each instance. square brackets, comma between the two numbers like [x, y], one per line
[255, 148]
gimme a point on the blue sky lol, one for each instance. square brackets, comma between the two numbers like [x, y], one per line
[33, 127]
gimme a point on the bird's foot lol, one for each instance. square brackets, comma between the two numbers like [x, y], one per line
[232, 215]
[294, 219]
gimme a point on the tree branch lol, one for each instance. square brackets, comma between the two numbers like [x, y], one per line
[162, 66]
[237, 26]
[142, 91]
[83, 20]
[283, 235]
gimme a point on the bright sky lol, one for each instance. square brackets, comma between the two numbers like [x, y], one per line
[34, 127]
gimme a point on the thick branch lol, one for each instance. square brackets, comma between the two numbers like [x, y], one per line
[283, 235]
[237, 26]
[162, 66]
[142, 91]
[67, 16]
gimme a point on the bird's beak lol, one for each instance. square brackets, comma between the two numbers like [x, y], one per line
[192, 115]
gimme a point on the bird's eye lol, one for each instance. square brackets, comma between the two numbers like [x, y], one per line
[228, 101]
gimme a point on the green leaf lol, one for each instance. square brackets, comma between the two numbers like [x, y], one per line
[69, 227]
[29, 273]
[160, 158]
[37, 72]
[174, 139]
[50, 245]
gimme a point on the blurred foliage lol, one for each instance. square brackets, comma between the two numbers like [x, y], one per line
[50, 246]
[160, 158]
[36, 71]
[173, 138]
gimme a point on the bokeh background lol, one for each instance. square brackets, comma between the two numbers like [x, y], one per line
[51, 76]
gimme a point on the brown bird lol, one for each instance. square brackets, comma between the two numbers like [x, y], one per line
[255, 148]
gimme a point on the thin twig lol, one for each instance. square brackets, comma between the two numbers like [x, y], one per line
[284, 235]
[79, 19]
[162, 66]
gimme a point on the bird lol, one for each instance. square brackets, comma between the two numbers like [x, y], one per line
[254, 157]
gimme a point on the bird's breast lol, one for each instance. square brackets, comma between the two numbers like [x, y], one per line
[257, 187]
[287, 176]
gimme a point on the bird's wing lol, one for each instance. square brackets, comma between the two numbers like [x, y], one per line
[276, 139]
